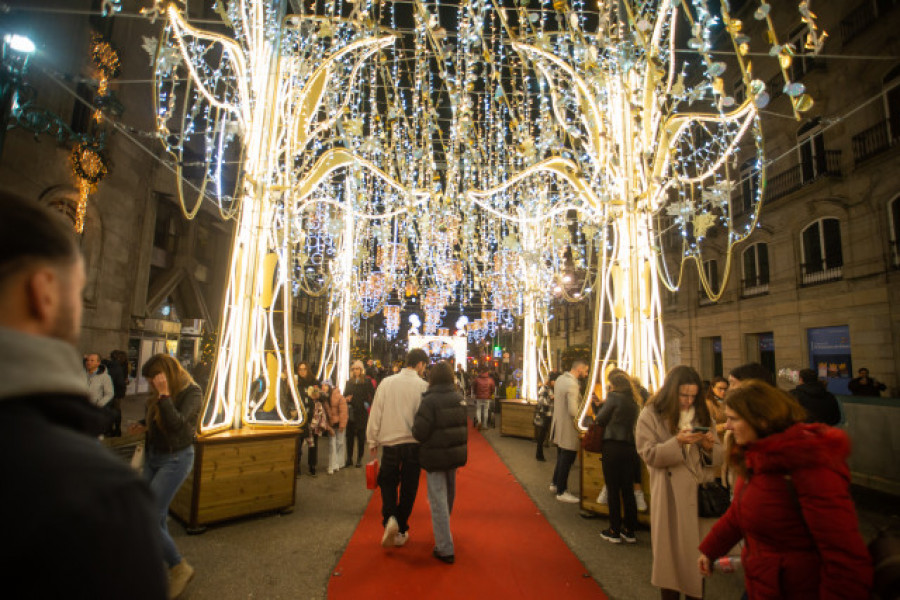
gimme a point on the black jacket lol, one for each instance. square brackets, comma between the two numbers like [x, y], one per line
[179, 421]
[362, 394]
[440, 426]
[820, 404]
[619, 415]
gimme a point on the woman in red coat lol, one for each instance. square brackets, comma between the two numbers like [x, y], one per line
[791, 503]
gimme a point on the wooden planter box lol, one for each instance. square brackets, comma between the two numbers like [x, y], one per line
[592, 482]
[238, 473]
[517, 418]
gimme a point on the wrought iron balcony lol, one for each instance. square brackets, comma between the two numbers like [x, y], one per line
[821, 274]
[872, 141]
[795, 177]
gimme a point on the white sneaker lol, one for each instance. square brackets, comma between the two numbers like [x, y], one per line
[567, 497]
[640, 501]
[401, 538]
[330, 471]
[603, 498]
[390, 532]
[553, 488]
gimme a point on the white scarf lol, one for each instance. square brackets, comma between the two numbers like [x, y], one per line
[686, 419]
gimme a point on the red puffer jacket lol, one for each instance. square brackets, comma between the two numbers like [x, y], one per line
[817, 555]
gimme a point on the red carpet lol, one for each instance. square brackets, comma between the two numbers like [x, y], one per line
[504, 546]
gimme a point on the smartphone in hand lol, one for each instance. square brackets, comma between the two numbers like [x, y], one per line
[698, 429]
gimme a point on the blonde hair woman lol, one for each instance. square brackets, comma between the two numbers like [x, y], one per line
[173, 411]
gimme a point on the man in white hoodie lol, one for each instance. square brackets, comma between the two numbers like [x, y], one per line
[391, 419]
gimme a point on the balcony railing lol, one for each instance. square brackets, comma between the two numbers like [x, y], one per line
[872, 141]
[792, 179]
[821, 274]
[857, 20]
[754, 287]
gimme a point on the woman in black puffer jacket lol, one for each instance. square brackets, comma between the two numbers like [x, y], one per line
[440, 427]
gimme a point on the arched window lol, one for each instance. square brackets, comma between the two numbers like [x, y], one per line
[894, 220]
[756, 269]
[823, 257]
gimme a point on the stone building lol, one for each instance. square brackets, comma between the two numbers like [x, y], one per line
[817, 283]
[156, 280]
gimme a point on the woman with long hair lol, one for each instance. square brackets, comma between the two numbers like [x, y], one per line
[676, 438]
[440, 427]
[618, 416]
[715, 402]
[792, 503]
[173, 410]
[305, 380]
[359, 394]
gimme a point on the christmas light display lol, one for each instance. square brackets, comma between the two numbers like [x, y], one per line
[474, 153]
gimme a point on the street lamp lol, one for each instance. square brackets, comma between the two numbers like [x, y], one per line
[13, 61]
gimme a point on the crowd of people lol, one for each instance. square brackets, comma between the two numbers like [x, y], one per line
[781, 463]
[778, 453]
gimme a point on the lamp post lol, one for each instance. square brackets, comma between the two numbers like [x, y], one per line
[13, 62]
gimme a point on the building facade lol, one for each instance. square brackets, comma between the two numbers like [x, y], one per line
[817, 283]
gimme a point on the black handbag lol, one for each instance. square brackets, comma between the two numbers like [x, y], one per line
[713, 499]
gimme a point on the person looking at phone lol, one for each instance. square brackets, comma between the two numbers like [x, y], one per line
[676, 438]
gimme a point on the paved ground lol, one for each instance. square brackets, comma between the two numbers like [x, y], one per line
[292, 556]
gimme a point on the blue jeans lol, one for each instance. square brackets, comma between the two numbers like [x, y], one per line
[564, 461]
[165, 473]
[441, 491]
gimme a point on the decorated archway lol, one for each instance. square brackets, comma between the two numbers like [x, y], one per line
[458, 346]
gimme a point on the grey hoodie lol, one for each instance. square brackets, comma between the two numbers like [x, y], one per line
[33, 365]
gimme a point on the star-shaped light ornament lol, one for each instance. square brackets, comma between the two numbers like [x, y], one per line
[702, 223]
[719, 194]
[150, 44]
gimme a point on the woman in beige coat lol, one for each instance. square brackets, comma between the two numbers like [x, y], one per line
[676, 438]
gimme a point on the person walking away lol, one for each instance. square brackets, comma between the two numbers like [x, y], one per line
[618, 417]
[676, 438]
[338, 416]
[440, 427]
[79, 521]
[394, 409]
[566, 401]
[99, 383]
[792, 503]
[865, 385]
[543, 414]
[173, 411]
[820, 405]
[359, 394]
[306, 381]
[483, 391]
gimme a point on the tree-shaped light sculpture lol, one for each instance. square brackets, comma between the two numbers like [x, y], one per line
[263, 100]
[657, 150]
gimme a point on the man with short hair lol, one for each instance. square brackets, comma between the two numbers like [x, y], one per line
[100, 385]
[865, 385]
[483, 391]
[78, 522]
[390, 424]
[820, 404]
[567, 398]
